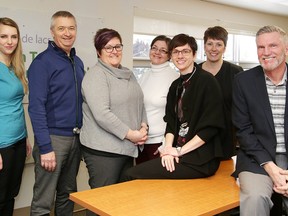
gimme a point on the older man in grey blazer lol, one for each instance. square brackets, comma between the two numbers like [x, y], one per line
[260, 115]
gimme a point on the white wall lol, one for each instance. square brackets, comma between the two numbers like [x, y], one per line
[168, 17]
[90, 15]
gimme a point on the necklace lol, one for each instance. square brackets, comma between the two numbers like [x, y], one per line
[186, 81]
[182, 89]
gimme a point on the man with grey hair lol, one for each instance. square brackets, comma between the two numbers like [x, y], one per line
[55, 109]
[260, 114]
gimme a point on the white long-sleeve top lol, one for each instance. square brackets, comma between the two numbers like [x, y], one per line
[155, 84]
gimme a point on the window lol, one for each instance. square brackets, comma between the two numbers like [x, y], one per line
[240, 50]
[138, 71]
[229, 54]
[141, 46]
[247, 48]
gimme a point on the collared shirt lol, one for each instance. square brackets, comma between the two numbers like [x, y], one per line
[277, 98]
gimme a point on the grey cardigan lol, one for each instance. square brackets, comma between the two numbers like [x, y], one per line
[112, 103]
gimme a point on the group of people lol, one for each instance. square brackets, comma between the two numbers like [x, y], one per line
[176, 125]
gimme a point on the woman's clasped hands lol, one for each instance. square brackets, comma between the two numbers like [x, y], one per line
[138, 137]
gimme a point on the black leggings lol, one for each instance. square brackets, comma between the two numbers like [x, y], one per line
[13, 158]
[153, 169]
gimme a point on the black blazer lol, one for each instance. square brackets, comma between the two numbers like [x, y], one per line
[252, 116]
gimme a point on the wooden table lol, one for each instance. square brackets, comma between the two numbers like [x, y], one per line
[208, 196]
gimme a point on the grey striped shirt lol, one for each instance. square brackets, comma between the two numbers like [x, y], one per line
[277, 98]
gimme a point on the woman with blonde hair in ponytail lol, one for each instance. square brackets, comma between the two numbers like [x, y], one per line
[14, 145]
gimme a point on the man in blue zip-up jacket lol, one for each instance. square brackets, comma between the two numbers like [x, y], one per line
[55, 109]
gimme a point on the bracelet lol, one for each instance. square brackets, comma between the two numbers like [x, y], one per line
[179, 150]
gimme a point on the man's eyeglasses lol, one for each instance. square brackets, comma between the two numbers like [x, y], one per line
[162, 51]
[109, 48]
[184, 52]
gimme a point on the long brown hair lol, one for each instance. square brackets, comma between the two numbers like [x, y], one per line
[17, 62]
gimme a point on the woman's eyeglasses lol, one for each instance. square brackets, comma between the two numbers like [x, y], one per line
[162, 51]
[109, 48]
[184, 52]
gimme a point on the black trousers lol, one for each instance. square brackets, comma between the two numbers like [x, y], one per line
[153, 169]
[13, 158]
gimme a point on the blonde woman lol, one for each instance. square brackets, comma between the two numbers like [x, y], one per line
[13, 86]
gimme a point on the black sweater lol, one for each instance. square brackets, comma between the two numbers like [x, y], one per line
[202, 106]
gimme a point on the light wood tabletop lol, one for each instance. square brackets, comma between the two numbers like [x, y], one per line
[207, 196]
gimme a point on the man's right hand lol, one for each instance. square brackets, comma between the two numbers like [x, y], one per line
[48, 161]
[284, 188]
[274, 172]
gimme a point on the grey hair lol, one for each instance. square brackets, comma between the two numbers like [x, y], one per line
[270, 29]
[61, 14]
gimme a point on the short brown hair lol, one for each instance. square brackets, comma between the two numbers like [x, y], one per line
[181, 40]
[103, 36]
[216, 32]
[164, 38]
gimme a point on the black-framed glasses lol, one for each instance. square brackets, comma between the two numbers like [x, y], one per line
[155, 49]
[184, 52]
[109, 48]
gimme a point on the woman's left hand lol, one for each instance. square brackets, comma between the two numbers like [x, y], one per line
[168, 162]
[144, 131]
[168, 150]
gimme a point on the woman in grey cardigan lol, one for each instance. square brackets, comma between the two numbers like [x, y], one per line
[114, 118]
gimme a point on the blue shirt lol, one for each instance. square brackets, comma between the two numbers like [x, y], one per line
[12, 120]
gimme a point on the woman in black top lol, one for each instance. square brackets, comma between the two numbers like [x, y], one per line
[194, 116]
[215, 41]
